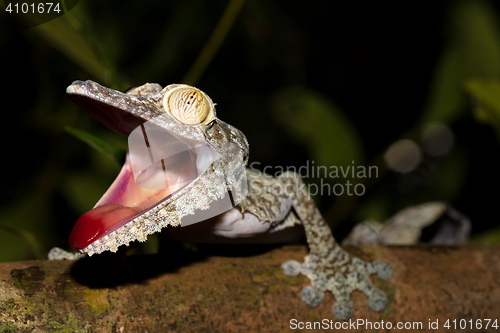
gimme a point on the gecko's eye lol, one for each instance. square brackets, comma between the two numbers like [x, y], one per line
[189, 105]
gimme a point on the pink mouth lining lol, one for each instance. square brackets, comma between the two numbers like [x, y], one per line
[121, 203]
[158, 164]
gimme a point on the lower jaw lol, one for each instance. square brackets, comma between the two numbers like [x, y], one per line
[113, 210]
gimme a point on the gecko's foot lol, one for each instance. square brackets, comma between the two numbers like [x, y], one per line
[341, 274]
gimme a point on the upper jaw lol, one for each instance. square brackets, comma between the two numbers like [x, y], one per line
[120, 112]
[123, 112]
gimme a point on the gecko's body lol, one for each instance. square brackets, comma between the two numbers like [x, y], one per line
[271, 208]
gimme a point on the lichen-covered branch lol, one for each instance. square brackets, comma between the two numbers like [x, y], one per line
[109, 293]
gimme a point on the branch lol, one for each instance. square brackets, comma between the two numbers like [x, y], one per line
[248, 292]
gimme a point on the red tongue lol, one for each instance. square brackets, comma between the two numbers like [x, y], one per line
[114, 209]
[97, 223]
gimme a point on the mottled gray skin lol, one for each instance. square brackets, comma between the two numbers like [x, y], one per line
[271, 206]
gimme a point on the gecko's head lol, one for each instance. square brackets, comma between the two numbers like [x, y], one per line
[177, 147]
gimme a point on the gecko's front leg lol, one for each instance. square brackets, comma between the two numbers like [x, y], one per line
[327, 265]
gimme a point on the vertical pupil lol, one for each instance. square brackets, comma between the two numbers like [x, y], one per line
[189, 98]
[193, 94]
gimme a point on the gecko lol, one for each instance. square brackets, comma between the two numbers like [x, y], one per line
[211, 168]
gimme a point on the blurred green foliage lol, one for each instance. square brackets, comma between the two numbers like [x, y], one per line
[486, 94]
[113, 151]
[335, 87]
[314, 120]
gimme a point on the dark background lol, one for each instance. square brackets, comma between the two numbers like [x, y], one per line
[380, 71]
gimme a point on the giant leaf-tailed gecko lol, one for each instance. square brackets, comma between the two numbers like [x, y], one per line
[129, 212]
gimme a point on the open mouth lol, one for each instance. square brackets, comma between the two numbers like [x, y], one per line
[159, 164]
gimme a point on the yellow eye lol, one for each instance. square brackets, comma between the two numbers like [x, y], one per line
[188, 105]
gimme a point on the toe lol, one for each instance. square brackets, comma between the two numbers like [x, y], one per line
[378, 301]
[343, 310]
[291, 267]
[383, 269]
[311, 296]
